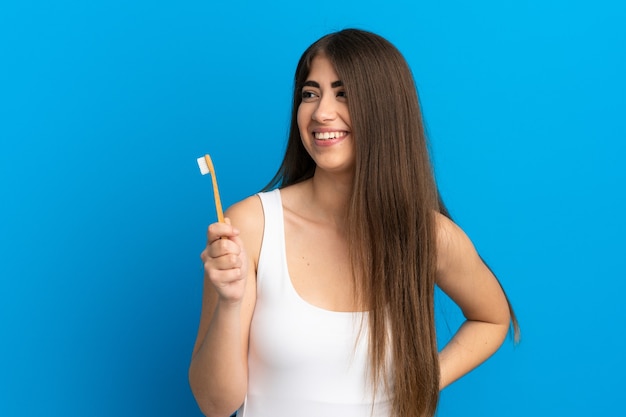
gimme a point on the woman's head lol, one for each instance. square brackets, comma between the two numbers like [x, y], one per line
[382, 100]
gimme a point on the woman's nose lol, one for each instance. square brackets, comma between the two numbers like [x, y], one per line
[326, 109]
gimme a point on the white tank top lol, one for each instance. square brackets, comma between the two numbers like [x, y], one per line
[303, 361]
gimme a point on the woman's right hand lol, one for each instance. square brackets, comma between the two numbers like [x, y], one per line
[225, 262]
[218, 372]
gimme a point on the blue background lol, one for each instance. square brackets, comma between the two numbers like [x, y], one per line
[105, 106]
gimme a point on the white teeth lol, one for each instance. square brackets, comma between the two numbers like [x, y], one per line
[328, 135]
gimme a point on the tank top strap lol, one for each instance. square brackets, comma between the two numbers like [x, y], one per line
[272, 259]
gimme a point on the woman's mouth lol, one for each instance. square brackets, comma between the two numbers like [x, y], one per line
[329, 135]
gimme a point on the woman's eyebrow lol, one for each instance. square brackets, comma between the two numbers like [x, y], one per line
[315, 84]
[311, 84]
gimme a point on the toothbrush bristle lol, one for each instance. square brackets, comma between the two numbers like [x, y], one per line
[204, 168]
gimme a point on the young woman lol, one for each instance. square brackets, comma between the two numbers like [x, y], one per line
[318, 296]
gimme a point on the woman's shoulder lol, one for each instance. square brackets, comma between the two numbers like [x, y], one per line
[247, 216]
[246, 213]
[446, 229]
[249, 212]
[453, 244]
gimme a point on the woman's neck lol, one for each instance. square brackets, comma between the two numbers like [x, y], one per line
[326, 198]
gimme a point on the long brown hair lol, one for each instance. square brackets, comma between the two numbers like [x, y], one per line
[390, 216]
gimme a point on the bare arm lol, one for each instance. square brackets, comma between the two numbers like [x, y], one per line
[218, 373]
[463, 276]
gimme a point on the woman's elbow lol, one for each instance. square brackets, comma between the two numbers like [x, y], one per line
[222, 405]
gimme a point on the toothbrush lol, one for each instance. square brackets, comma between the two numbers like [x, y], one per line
[206, 166]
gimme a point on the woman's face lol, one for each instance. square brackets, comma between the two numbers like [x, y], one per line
[324, 119]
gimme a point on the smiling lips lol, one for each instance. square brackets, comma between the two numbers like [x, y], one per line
[329, 135]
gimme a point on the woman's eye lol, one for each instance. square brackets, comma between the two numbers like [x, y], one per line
[341, 94]
[307, 95]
